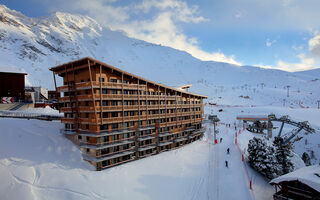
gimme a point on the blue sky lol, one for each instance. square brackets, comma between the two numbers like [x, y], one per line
[282, 34]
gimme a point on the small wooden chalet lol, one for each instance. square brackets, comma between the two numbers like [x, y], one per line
[301, 184]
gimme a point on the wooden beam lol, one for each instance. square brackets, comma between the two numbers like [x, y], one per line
[101, 108]
[122, 98]
[75, 93]
[92, 92]
[55, 86]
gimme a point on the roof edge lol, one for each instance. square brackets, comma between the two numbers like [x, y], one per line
[127, 73]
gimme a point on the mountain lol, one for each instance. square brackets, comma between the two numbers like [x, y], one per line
[36, 44]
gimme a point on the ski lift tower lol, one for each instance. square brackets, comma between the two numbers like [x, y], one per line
[214, 119]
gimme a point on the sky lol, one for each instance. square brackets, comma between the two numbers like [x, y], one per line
[280, 34]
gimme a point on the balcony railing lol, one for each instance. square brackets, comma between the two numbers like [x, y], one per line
[105, 144]
[100, 159]
[106, 132]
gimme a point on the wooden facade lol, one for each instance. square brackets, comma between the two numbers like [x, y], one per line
[295, 189]
[12, 85]
[117, 117]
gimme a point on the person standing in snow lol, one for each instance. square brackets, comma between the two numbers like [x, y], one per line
[220, 140]
[228, 150]
[227, 164]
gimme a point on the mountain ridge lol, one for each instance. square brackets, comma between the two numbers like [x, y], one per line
[37, 44]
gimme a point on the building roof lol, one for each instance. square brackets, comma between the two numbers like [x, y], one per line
[12, 69]
[306, 175]
[62, 67]
[253, 117]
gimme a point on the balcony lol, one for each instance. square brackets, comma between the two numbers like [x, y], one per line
[146, 137]
[164, 143]
[165, 134]
[199, 131]
[189, 129]
[108, 157]
[181, 139]
[150, 146]
[68, 131]
[105, 144]
[146, 128]
[107, 132]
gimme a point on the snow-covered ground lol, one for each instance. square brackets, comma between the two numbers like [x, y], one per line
[36, 162]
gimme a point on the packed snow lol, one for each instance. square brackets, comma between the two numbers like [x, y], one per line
[38, 163]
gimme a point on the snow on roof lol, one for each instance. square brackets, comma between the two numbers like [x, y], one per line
[252, 117]
[307, 175]
[12, 69]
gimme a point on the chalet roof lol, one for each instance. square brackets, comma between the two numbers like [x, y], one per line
[62, 67]
[306, 175]
[12, 69]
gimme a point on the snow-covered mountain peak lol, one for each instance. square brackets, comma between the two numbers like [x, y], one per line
[37, 44]
[73, 21]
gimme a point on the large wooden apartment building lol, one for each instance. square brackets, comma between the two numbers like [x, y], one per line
[117, 117]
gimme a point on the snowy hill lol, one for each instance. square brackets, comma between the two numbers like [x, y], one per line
[36, 44]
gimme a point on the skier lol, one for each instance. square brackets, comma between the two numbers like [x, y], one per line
[226, 163]
[228, 150]
[220, 140]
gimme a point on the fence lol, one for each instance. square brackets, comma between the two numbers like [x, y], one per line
[243, 161]
[39, 116]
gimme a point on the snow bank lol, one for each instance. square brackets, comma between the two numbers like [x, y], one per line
[36, 162]
[47, 110]
[307, 175]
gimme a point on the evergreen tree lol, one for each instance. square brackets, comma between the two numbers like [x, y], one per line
[262, 158]
[283, 154]
[306, 159]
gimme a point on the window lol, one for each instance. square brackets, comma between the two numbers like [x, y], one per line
[113, 91]
[115, 137]
[105, 115]
[114, 114]
[87, 126]
[104, 103]
[113, 80]
[105, 151]
[101, 79]
[87, 115]
[114, 126]
[114, 103]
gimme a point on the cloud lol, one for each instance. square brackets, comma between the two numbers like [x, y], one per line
[154, 21]
[269, 42]
[314, 44]
[182, 11]
[305, 63]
